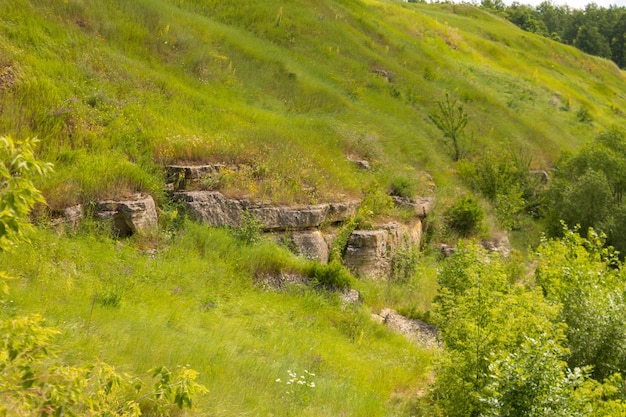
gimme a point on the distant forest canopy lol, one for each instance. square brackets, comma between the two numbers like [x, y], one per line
[595, 30]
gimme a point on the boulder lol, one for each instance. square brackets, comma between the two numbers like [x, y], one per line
[360, 163]
[342, 211]
[311, 244]
[73, 215]
[499, 243]
[421, 205]
[350, 297]
[133, 216]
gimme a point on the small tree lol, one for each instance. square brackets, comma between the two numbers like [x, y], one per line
[451, 119]
[587, 280]
[465, 216]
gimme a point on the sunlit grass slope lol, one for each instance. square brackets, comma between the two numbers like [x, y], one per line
[116, 89]
[194, 303]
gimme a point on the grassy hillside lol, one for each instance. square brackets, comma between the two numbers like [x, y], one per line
[116, 90]
[195, 304]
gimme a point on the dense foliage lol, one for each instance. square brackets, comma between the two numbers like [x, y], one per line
[587, 189]
[515, 349]
[506, 180]
[595, 30]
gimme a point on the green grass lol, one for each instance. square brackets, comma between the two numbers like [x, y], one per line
[195, 303]
[289, 89]
[116, 90]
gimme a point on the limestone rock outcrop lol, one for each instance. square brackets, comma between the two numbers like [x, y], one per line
[369, 252]
[181, 175]
[311, 244]
[421, 205]
[213, 208]
[137, 215]
[366, 253]
[73, 215]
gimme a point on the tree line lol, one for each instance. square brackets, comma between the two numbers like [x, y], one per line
[595, 30]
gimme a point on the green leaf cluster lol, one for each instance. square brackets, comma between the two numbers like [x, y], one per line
[588, 189]
[587, 280]
[513, 349]
[18, 195]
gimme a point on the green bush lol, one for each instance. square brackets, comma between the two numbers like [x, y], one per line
[505, 179]
[333, 275]
[404, 263]
[250, 230]
[402, 187]
[584, 278]
[588, 188]
[465, 216]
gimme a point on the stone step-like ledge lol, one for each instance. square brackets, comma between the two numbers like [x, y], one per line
[215, 209]
[192, 172]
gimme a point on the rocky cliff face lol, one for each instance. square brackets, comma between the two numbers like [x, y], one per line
[213, 208]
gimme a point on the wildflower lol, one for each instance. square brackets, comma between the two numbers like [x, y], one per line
[279, 380]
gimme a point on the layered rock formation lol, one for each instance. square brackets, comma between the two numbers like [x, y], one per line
[308, 229]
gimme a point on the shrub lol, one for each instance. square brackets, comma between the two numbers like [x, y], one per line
[333, 275]
[506, 180]
[403, 263]
[465, 216]
[250, 230]
[402, 187]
